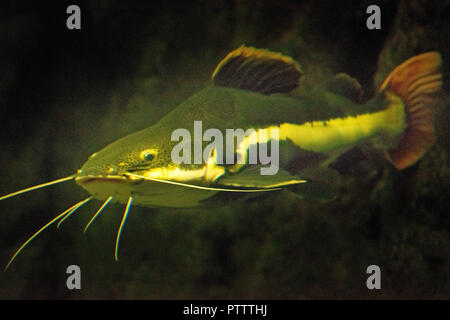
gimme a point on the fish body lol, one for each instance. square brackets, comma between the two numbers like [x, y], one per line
[250, 106]
[253, 90]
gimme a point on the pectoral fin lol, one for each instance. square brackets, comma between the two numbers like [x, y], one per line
[319, 189]
[252, 178]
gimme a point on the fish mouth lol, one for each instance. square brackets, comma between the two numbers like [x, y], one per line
[88, 179]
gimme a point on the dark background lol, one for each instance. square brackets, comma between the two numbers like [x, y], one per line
[66, 94]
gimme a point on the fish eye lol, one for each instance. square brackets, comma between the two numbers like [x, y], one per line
[148, 155]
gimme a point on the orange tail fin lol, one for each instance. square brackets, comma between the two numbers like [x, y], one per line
[414, 80]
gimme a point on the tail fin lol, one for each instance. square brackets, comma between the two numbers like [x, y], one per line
[413, 81]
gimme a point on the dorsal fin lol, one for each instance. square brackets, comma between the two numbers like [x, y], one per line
[258, 70]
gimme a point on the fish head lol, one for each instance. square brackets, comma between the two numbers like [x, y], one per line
[137, 165]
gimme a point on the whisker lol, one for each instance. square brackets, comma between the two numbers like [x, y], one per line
[43, 185]
[119, 232]
[206, 188]
[97, 213]
[74, 208]
[38, 232]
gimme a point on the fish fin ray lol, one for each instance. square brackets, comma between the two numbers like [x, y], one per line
[413, 81]
[252, 178]
[213, 188]
[258, 70]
